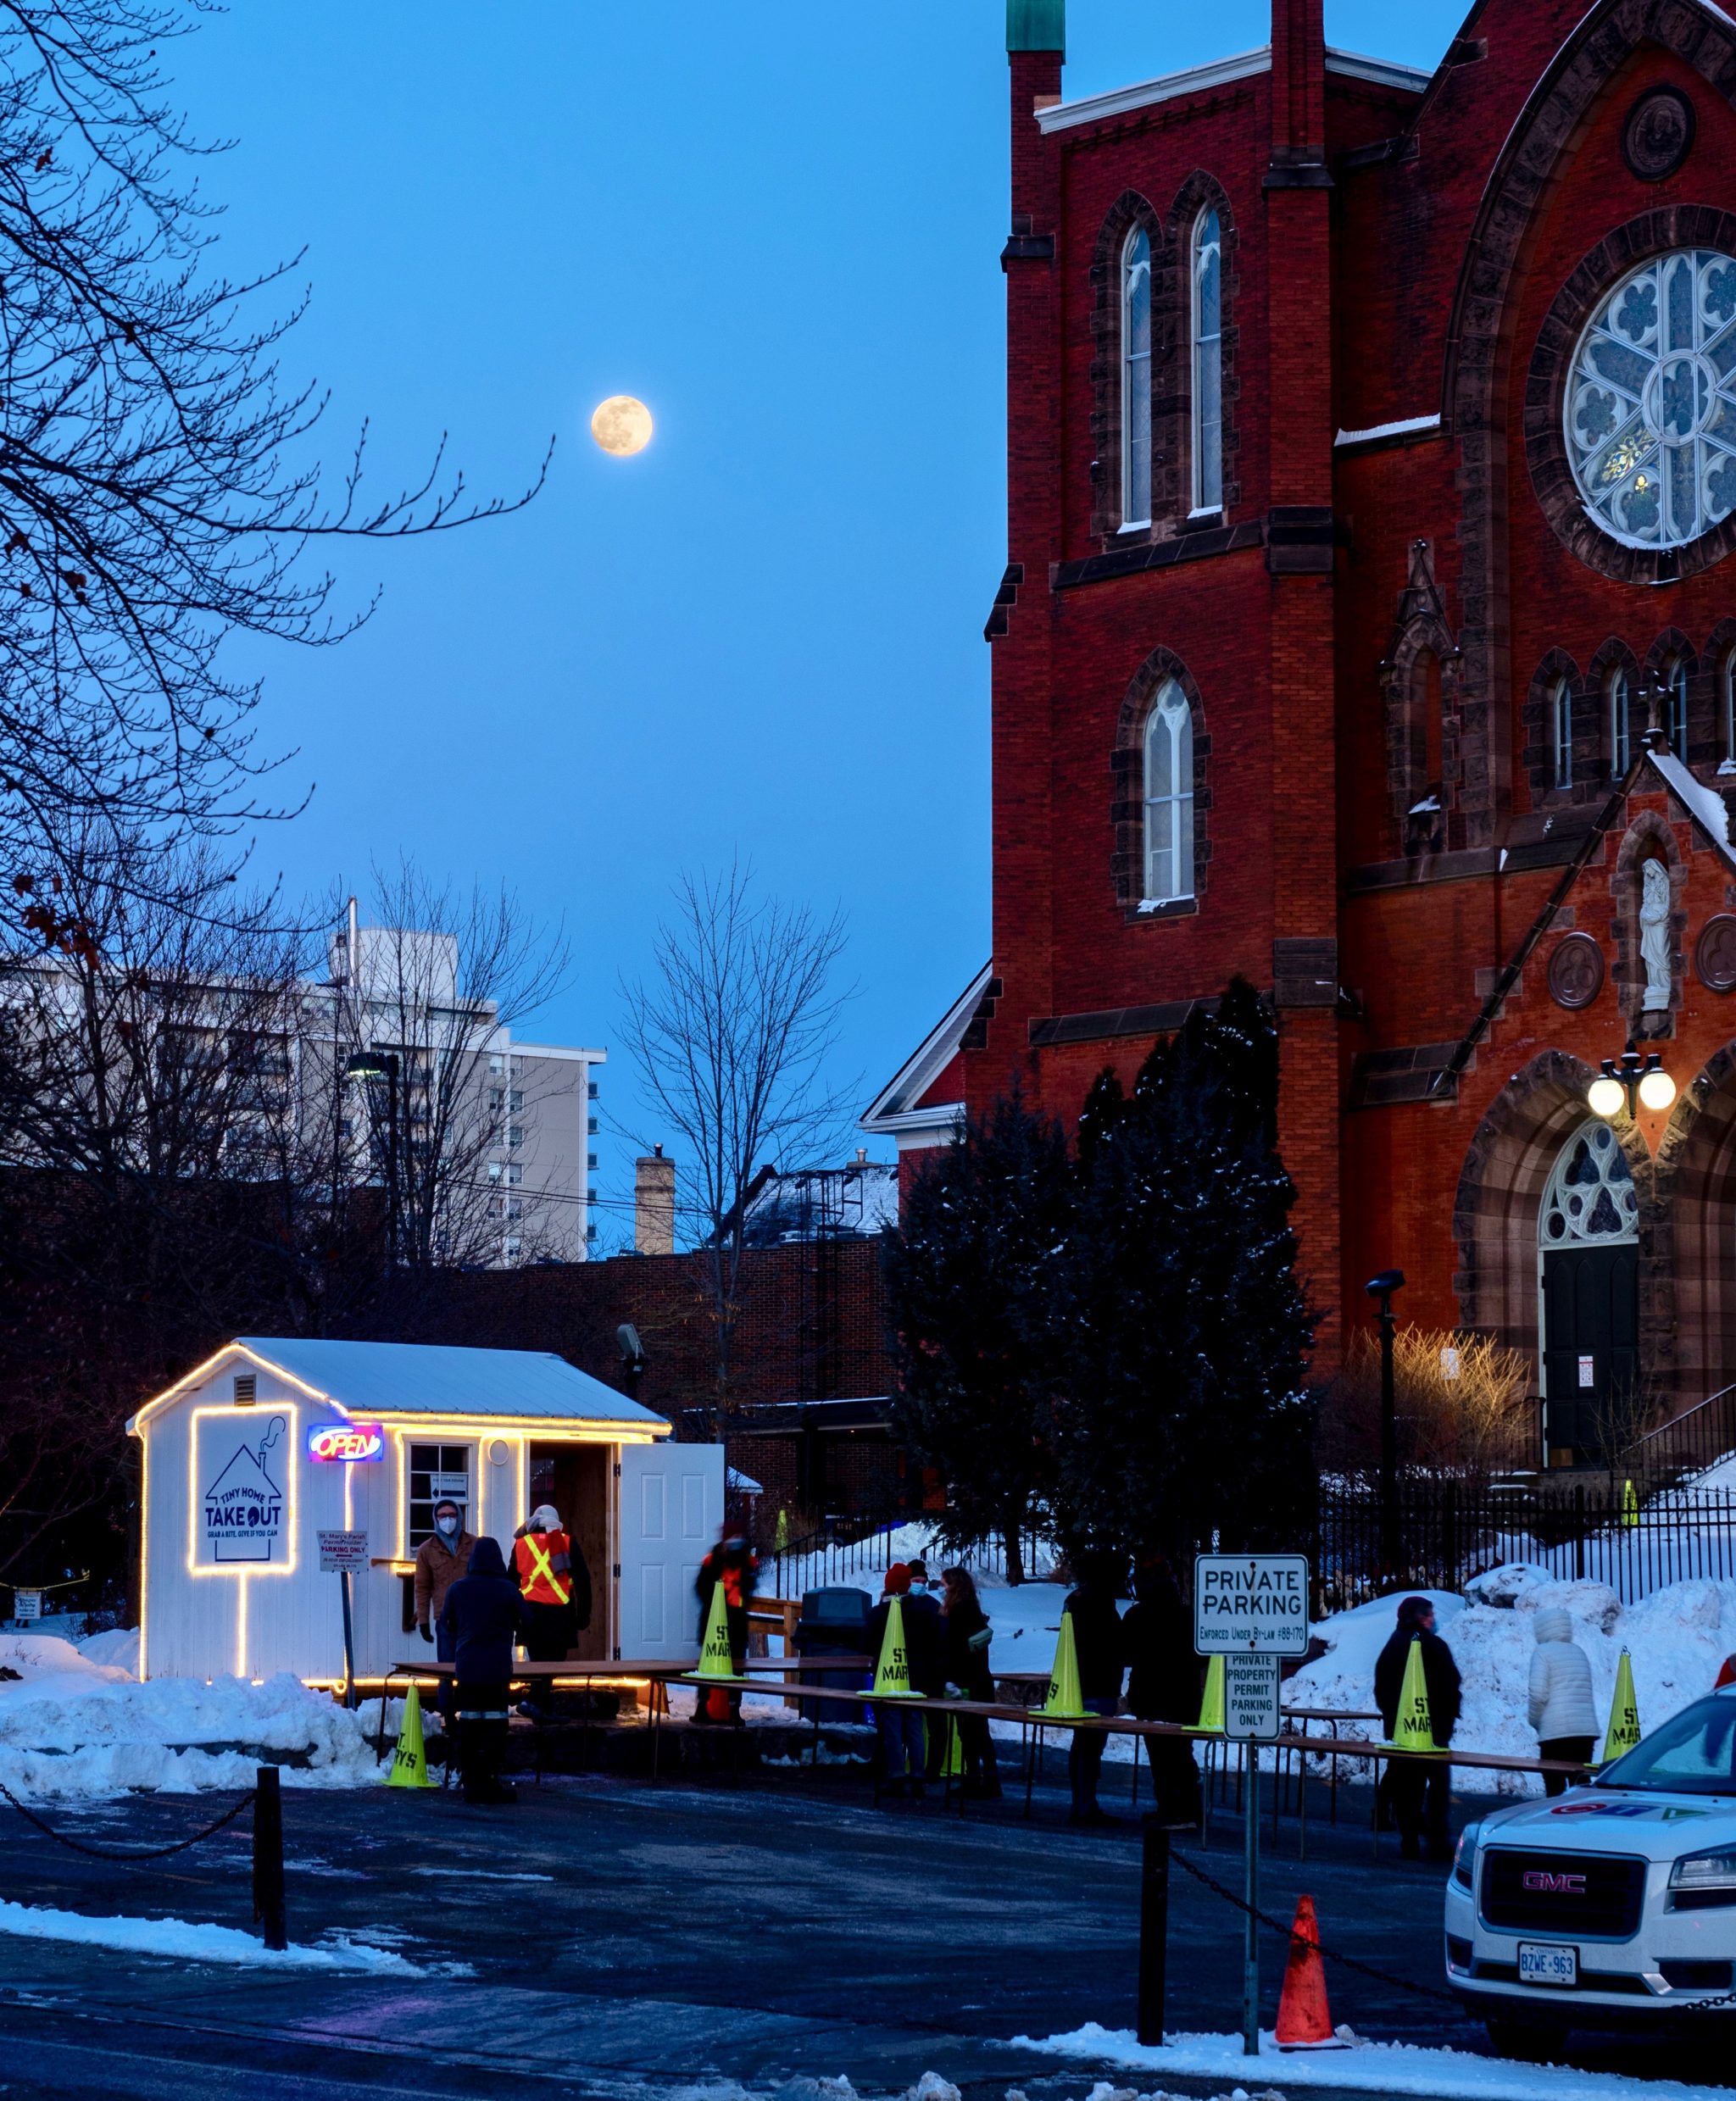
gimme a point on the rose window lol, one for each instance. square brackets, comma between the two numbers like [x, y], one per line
[1651, 401]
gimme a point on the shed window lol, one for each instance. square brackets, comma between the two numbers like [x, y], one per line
[437, 1471]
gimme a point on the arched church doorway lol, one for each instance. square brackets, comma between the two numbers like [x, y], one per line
[1588, 1234]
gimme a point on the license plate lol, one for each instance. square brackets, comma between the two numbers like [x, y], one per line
[1547, 1962]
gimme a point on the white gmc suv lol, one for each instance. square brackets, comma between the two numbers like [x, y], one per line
[1613, 1906]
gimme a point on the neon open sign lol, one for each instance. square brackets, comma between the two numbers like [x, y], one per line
[346, 1441]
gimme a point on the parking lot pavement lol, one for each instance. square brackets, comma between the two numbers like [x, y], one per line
[612, 1934]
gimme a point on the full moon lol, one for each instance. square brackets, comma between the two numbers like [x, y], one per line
[622, 425]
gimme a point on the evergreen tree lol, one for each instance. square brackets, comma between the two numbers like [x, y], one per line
[977, 1277]
[1186, 1409]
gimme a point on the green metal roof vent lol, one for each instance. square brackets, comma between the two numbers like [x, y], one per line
[1036, 25]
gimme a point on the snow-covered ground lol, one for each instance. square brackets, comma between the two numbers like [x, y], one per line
[1386, 2068]
[189, 1940]
[74, 1727]
[1677, 1638]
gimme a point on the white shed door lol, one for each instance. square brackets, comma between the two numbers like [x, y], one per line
[671, 1512]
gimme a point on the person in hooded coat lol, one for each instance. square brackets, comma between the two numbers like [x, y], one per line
[482, 1617]
[1417, 1787]
[966, 1633]
[555, 1583]
[1561, 1706]
[1099, 1644]
[1163, 1685]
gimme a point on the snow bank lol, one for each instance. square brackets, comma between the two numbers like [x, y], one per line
[116, 1646]
[1395, 2068]
[1677, 1639]
[71, 1727]
[189, 1943]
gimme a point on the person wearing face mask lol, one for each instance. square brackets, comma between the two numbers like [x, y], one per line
[440, 1560]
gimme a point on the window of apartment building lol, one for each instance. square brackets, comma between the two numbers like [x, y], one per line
[1169, 797]
[592, 1090]
[1136, 379]
[591, 1126]
[514, 1135]
[1207, 363]
[510, 1250]
[590, 1162]
[507, 1171]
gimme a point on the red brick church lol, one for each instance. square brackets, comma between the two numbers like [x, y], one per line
[1367, 628]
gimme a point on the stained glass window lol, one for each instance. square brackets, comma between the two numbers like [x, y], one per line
[1650, 408]
[1136, 379]
[1591, 1198]
[1169, 797]
[1207, 363]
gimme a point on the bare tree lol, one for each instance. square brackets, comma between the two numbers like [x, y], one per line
[157, 488]
[433, 988]
[732, 1031]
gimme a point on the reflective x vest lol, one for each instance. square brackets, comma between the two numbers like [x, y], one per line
[542, 1562]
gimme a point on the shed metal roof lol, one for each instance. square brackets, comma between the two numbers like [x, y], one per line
[435, 1379]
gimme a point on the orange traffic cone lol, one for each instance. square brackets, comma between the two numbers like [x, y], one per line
[1305, 2019]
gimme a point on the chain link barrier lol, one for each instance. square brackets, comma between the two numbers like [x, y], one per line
[1289, 1933]
[127, 1859]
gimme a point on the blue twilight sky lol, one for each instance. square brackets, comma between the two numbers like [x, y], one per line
[780, 226]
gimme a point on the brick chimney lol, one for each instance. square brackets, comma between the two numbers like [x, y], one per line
[1298, 96]
[653, 1205]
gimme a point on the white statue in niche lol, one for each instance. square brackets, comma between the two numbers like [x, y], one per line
[1655, 937]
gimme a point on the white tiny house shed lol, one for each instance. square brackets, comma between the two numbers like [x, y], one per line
[270, 1443]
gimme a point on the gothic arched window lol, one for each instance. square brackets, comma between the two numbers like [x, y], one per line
[1675, 706]
[1620, 727]
[1169, 797]
[1561, 733]
[1136, 379]
[1590, 1198]
[1206, 272]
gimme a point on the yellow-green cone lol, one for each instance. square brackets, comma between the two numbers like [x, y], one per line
[717, 1659]
[1413, 1731]
[409, 1763]
[1211, 1705]
[1065, 1702]
[892, 1673]
[1623, 1732]
[1630, 1504]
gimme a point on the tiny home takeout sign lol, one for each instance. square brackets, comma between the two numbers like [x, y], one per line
[349, 1442]
[242, 1469]
[1256, 1603]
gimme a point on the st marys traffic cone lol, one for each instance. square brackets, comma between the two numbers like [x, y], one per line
[1305, 2020]
[1623, 1732]
[1413, 1731]
[409, 1763]
[781, 1538]
[1630, 1504]
[953, 1766]
[1064, 1701]
[1211, 1705]
[892, 1673]
[717, 1659]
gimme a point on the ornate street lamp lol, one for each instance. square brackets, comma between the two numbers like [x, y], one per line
[1638, 1076]
[377, 1064]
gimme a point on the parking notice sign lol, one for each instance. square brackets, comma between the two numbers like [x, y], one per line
[1251, 1696]
[1251, 1604]
[343, 1552]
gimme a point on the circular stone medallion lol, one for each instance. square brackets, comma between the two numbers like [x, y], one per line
[1577, 971]
[1714, 953]
[1658, 133]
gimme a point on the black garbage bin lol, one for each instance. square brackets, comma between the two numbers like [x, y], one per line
[834, 1622]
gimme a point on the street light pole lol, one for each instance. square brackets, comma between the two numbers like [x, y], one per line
[1383, 1287]
[375, 1065]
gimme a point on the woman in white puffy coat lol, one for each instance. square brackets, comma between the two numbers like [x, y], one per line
[1561, 1710]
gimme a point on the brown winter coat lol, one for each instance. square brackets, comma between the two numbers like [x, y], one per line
[438, 1567]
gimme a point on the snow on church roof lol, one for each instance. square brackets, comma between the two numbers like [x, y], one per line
[429, 1379]
[1218, 72]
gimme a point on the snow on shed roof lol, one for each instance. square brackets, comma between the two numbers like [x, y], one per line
[432, 1380]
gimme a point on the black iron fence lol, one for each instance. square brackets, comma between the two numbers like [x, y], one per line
[849, 1550]
[1604, 1529]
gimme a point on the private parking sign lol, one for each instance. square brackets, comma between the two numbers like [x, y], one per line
[1251, 1604]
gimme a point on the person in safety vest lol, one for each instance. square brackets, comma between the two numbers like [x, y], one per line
[555, 1585]
[732, 1563]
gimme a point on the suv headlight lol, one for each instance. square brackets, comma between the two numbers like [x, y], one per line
[1465, 1856]
[1701, 1881]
